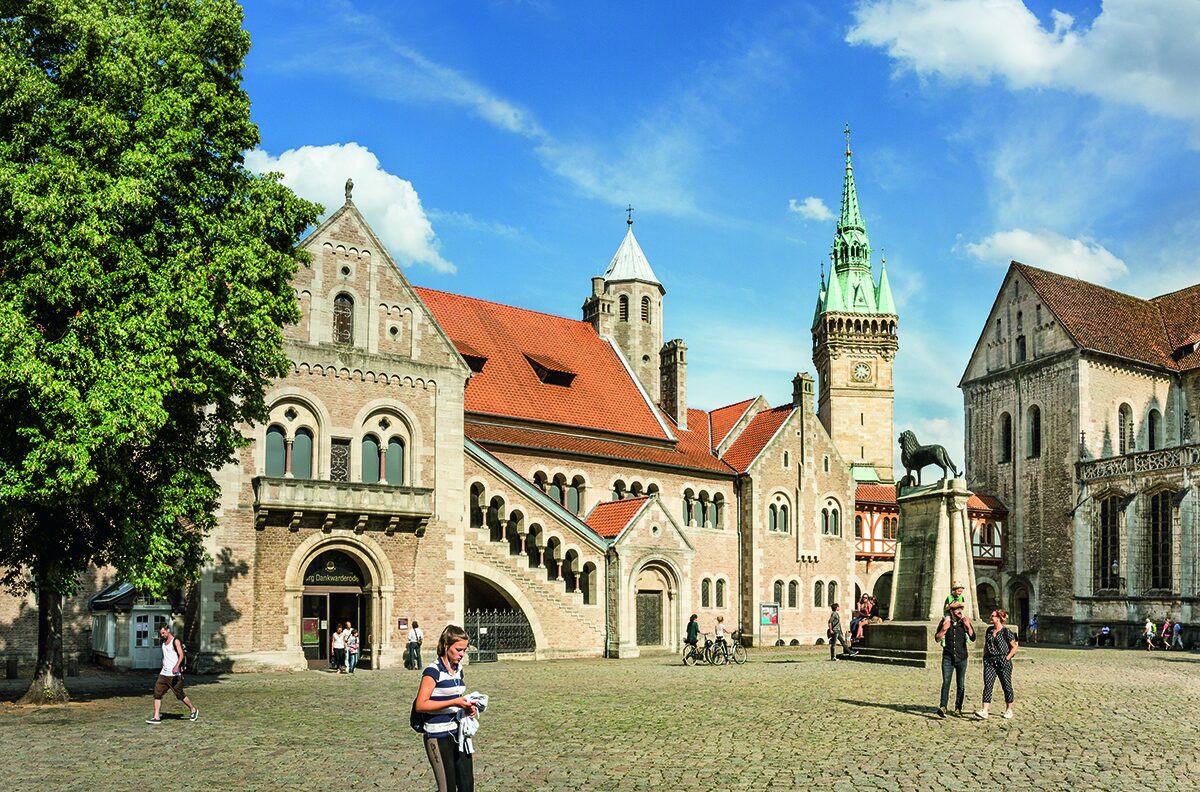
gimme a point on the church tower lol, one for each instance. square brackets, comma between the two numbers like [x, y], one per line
[854, 345]
[627, 305]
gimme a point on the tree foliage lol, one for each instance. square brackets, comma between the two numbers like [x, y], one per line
[144, 278]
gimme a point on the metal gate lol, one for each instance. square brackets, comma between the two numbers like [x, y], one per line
[649, 618]
[496, 632]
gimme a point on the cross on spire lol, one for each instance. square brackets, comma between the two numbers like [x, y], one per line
[847, 131]
[629, 218]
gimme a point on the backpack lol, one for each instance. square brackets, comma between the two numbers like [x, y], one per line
[416, 719]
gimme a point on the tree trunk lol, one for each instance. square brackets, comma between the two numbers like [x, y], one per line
[48, 686]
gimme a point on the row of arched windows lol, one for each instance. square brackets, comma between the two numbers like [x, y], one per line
[623, 308]
[778, 518]
[874, 326]
[702, 510]
[635, 489]
[568, 494]
[383, 461]
[823, 593]
[712, 593]
[1127, 433]
[831, 520]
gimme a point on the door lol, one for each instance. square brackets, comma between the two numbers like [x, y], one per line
[146, 645]
[349, 608]
[314, 629]
[649, 618]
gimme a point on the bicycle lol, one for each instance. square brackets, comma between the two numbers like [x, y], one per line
[731, 651]
[692, 653]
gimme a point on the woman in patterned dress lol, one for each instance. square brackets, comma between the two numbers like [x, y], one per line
[999, 646]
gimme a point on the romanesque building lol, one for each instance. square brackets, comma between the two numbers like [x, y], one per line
[1081, 416]
[440, 458]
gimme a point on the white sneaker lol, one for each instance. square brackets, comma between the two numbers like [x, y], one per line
[982, 715]
[1008, 713]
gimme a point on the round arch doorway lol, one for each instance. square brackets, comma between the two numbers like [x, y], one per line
[333, 595]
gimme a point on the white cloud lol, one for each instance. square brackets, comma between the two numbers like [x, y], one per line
[811, 208]
[390, 204]
[1079, 258]
[1138, 52]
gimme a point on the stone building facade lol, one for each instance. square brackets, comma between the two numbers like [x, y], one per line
[437, 458]
[1081, 406]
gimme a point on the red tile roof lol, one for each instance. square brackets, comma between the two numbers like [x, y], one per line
[690, 452]
[601, 396]
[1181, 317]
[723, 419]
[1119, 324]
[885, 495]
[755, 437]
[610, 517]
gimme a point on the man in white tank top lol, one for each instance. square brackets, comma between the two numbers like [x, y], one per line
[171, 676]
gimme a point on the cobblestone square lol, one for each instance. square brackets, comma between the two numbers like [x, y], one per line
[1086, 719]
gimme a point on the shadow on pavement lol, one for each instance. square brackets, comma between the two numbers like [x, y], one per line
[917, 710]
[97, 684]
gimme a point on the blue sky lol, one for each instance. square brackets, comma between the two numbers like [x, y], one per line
[495, 145]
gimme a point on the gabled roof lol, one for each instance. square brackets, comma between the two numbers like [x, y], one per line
[1181, 317]
[609, 518]
[1118, 324]
[601, 395]
[755, 436]
[885, 495]
[630, 263]
[723, 419]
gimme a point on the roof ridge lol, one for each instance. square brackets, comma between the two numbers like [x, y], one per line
[504, 305]
[1173, 293]
[1054, 274]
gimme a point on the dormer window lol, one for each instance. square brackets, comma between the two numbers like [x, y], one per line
[550, 371]
[474, 358]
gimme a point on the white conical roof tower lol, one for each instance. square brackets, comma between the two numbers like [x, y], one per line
[629, 262]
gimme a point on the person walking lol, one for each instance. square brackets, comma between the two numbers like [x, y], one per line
[1033, 620]
[834, 631]
[171, 676]
[999, 646]
[352, 651]
[956, 629]
[415, 639]
[337, 653]
[441, 703]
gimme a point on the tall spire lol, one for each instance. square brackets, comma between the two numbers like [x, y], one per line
[851, 248]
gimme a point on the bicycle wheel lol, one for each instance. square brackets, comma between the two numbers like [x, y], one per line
[739, 654]
[716, 655]
[690, 656]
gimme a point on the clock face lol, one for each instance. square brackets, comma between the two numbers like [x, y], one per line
[862, 372]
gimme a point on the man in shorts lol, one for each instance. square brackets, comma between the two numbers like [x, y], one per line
[171, 676]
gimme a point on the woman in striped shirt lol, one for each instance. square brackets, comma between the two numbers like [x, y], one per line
[440, 700]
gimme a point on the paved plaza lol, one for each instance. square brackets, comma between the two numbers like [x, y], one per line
[1086, 719]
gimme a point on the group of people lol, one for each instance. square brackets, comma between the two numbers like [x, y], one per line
[1000, 645]
[866, 613]
[1169, 636]
[720, 633]
[343, 649]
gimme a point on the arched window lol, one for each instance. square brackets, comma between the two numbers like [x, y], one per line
[343, 319]
[476, 505]
[370, 460]
[772, 518]
[1035, 432]
[623, 308]
[825, 522]
[1158, 548]
[1004, 452]
[1106, 545]
[826, 464]
[1021, 350]
[784, 524]
[646, 309]
[858, 526]
[785, 458]
[689, 506]
[588, 583]
[818, 594]
[720, 593]
[829, 519]
[1154, 430]
[831, 596]
[554, 490]
[276, 451]
[395, 461]
[835, 523]
[793, 594]
[1125, 428]
[302, 454]
[573, 504]
[778, 591]
[706, 593]
[719, 509]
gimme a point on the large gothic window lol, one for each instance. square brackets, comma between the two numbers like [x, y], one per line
[1158, 549]
[343, 319]
[1106, 545]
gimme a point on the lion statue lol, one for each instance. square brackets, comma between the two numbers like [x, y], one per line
[915, 456]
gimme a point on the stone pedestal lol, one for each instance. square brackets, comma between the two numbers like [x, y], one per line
[934, 550]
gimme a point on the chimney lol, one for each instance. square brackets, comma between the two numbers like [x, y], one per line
[802, 391]
[673, 368]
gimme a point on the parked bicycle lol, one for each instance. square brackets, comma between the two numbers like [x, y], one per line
[731, 651]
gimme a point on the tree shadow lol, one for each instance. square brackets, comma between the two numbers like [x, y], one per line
[916, 710]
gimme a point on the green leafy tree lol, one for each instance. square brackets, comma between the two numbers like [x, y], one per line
[145, 275]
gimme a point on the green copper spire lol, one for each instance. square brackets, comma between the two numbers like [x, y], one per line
[833, 296]
[851, 248]
[884, 303]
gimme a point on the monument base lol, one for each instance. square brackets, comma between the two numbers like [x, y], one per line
[905, 643]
